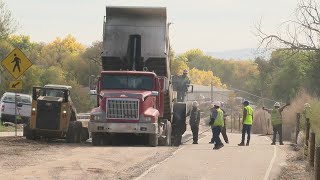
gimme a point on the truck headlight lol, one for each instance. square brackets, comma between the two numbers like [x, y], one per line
[147, 119]
[33, 109]
[95, 118]
[64, 112]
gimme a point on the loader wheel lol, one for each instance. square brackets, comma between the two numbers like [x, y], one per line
[96, 139]
[84, 134]
[71, 137]
[77, 131]
[27, 132]
[153, 140]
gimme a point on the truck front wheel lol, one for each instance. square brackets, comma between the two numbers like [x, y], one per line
[96, 139]
[153, 140]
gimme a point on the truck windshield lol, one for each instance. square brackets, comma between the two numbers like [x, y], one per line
[132, 82]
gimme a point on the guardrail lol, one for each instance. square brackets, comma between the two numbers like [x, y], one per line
[312, 150]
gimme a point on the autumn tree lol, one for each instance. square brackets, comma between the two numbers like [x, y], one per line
[7, 23]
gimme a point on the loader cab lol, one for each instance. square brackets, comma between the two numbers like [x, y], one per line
[53, 114]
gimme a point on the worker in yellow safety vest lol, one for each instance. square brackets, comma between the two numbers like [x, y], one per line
[276, 121]
[247, 123]
[217, 123]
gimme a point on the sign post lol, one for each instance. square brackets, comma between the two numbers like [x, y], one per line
[16, 63]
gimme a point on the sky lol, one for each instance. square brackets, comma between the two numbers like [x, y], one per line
[210, 25]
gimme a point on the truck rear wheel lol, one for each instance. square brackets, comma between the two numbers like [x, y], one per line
[153, 140]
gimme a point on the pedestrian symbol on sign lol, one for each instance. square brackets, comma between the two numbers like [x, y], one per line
[17, 62]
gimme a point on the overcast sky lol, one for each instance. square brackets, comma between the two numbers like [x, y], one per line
[211, 25]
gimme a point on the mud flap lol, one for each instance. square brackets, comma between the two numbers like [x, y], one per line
[179, 122]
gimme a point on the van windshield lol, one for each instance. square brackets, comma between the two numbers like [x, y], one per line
[131, 82]
[9, 98]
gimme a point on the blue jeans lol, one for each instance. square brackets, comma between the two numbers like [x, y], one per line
[216, 135]
[246, 129]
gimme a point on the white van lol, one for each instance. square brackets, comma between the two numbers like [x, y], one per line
[7, 107]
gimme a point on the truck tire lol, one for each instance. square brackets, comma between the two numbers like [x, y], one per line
[107, 140]
[84, 134]
[96, 139]
[153, 140]
[27, 132]
[71, 137]
[77, 131]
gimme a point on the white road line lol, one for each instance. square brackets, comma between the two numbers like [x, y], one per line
[266, 176]
[156, 165]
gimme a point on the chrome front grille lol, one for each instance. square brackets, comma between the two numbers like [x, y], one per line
[123, 109]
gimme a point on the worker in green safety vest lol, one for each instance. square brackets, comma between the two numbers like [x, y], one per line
[217, 123]
[183, 85]
[247, 123]
[276, 121]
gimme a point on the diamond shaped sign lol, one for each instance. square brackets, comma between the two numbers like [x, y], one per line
[16, 63]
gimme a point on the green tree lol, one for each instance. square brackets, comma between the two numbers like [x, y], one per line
[7, 23]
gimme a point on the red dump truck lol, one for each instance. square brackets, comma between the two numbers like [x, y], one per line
[135, 90]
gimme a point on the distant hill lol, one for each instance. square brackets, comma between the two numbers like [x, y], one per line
[239, 54]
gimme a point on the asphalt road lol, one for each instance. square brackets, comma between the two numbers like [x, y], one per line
[259, 161]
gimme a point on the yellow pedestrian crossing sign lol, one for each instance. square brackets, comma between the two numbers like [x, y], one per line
[15, 85]
[16, 63]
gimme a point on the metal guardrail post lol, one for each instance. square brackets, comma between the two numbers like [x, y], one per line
[312, 149]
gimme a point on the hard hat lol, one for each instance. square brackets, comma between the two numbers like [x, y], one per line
[277, 104]
[307, 105]
[185, 71]
[221, 104]
[195, 104]
[217, 103]
[246, 102]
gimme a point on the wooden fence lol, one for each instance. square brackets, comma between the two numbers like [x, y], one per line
[312, 149]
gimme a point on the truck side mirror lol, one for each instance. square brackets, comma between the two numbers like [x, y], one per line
[66, 96]
[191, 91]
[154, 93]
[35, 93]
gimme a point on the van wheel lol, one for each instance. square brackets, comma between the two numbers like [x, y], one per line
[153, 140]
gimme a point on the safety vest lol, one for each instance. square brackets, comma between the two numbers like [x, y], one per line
[248, 119]
[276, 117]
[219, 119]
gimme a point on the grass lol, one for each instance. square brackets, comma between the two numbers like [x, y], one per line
[5, 129]
[315, 119]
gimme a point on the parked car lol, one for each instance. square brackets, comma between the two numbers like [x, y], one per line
[7, 105]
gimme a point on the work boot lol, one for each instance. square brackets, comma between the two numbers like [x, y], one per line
[281, 143]
[195, 142]
[218, 147]
[227, 142]
[247, 144]
[273, 143]
[241, 144]
[211, 142]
